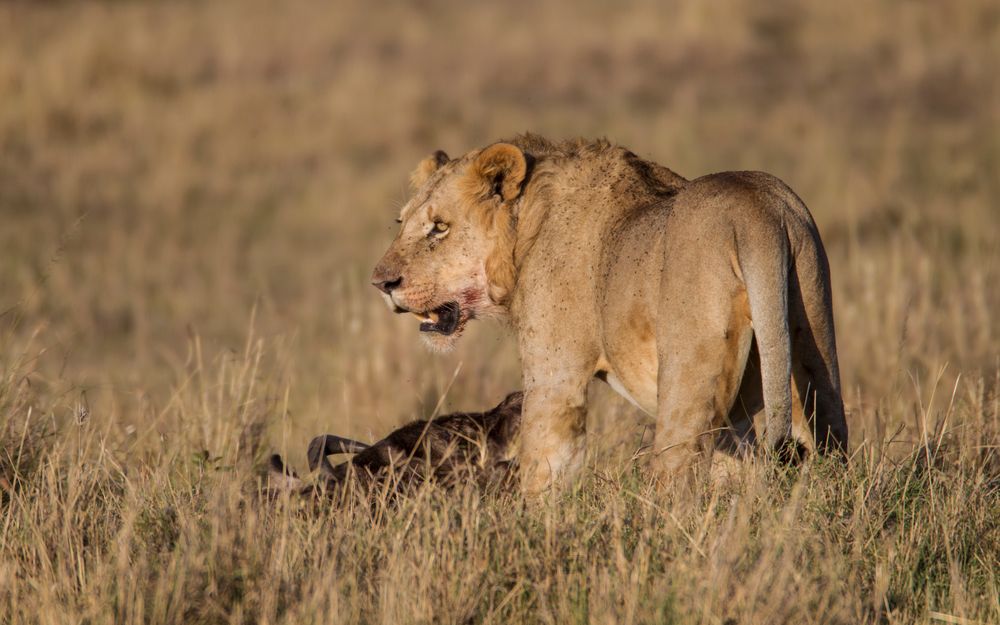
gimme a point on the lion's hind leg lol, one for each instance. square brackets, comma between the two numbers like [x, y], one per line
[703, 347]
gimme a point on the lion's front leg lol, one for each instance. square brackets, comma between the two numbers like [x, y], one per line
[553, 436]
[558, 358]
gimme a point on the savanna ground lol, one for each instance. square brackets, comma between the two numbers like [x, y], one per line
[193, 195]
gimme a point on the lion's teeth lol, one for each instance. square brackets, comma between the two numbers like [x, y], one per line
[433, 316]
[424, 317]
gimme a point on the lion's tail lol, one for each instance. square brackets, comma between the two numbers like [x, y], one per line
[814, 349]
[765, 266]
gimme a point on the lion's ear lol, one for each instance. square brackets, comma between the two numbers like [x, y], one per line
[499, 170]
[427, 167]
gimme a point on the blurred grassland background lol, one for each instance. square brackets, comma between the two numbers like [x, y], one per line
[192, 197]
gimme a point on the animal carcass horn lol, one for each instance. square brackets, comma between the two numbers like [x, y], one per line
[327, 444]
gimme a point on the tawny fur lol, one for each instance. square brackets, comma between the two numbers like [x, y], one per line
[700, 300]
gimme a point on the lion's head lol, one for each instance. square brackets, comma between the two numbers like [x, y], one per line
[452, 259]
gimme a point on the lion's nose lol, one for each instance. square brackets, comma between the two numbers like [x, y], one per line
[387, 286]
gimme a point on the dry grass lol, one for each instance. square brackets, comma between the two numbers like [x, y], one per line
[192, 195]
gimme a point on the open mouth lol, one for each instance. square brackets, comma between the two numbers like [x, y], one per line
[444, 319]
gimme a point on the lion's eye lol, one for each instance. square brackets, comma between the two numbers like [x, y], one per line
[439, 228]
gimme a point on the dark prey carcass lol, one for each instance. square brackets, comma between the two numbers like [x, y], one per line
[449, 449]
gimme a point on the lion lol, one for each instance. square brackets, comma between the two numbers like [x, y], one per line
[700, 301]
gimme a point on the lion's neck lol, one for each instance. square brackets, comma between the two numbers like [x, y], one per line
[594, 194]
